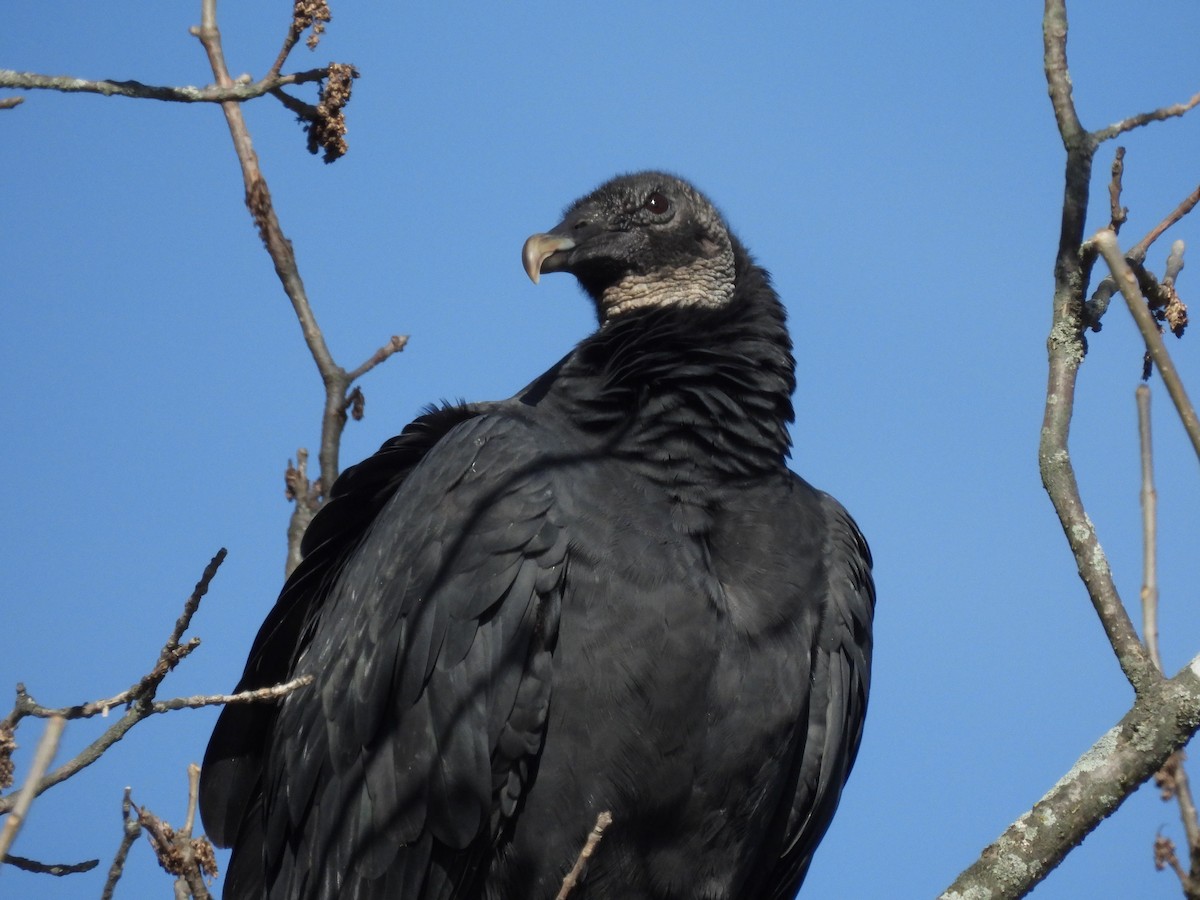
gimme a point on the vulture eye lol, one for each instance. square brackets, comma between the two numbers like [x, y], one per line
[657, 204]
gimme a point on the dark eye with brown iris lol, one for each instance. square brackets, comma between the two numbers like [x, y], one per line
[657, 204]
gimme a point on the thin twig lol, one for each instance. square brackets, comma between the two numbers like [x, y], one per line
[306, 500]
[258, 200]
[258, 197]
[193, 797]
[29, 707]
[337, 381]
[1174, 264]
[1149, 501]
[195, 854]
[1127, 282]
[57, 869]
[1117, 213]
[1173, 777]
[176, 853]
[593, 841]
[306, 14]
[304, 111]
[1157, 115]
[131, 828]
[42, 757]
[1138, 251]
[143, 710]
[397, 343]
[1172, 780]
[139, 699]
[172, 652]
[233, 92]
[289, 42]
[258, 695]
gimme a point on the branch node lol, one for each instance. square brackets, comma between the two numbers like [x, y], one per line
[1118, 213]
[593, 841]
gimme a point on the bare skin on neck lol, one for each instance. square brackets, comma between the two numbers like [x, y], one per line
[705, 282]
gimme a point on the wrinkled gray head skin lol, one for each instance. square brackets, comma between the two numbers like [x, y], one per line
[643, 240]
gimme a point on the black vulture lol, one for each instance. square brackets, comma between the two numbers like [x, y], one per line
[606, 593]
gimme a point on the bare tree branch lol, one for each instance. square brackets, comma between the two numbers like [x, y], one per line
[1117, 213]
[306, 500]
[306, 14]
[1058, 77]
[1149, 503]
[326, 127]
[189, 859]
[139, 709]
[1138, 251]
[1157, 115]
[233, 92]
[139, 700]
[1165, 714]
[57, 869]
[258, 695]
[130, 830]
[397, 343]
[1065, 350]
[1127, 282]
[1163, 717]
[1172, 778]
[337, 381]
[43, 756]
[593, 840]
[168, 658]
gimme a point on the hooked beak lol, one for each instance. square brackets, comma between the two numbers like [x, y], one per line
[538, 249]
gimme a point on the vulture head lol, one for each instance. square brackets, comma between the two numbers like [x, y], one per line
[642, 240]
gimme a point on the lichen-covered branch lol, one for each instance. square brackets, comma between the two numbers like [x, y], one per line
[1072, 271]
[234, 92]
[1165, 714]
[1163, 718]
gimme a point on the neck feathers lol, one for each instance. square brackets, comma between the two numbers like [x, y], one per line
[693, 390]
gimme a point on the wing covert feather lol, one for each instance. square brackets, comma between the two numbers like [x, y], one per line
[431, 652]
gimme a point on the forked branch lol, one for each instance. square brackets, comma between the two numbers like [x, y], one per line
[337, 381]
[1165, 713]
[1127, 282]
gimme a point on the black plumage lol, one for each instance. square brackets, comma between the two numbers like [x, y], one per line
[607, 592]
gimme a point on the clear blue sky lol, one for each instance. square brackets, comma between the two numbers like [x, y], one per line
[895, 166]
